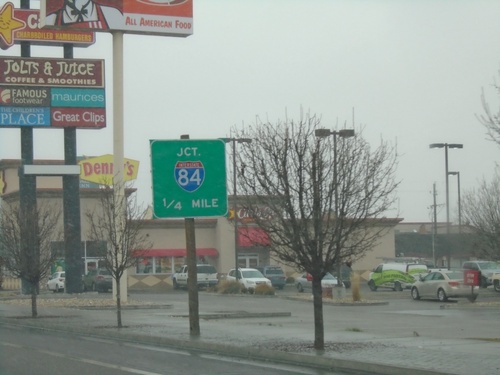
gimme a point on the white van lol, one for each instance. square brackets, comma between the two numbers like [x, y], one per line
[396, 276]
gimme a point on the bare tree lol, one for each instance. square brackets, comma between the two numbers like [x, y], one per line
[321, 211]
[26, 244]
[118, 220]
[481, 210]
[490, 119]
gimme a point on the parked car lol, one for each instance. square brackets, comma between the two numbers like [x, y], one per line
[443, 284]
[98, 280]
[56, 282]
[275, 274]
[487, 268]
[249, 278]
[304, 282]
[206, 276]
[495, 278]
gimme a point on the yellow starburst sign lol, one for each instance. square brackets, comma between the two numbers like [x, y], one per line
[9, 24]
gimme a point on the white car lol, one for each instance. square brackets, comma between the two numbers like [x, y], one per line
[304, 282]
[56, 282]
[443, 284]
[249, 278]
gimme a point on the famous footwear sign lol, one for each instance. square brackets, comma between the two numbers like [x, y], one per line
[160, 17]
[45, 92]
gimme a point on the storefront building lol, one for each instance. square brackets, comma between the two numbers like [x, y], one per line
[215, 239]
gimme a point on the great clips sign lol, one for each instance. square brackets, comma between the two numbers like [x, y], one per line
[161, 17]
[41, 92]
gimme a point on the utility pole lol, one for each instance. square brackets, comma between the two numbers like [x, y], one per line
[434, 229]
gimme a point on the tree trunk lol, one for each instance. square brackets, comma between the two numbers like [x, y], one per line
[319, 329]
[34, 310]
[118, 304]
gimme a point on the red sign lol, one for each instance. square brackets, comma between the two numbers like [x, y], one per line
[23, 25]
[471, 277]
[78, 117]
[160, 17]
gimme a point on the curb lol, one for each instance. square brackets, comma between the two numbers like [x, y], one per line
[338, 303]
[127, 307]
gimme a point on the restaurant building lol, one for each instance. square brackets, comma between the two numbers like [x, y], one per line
[215, 237]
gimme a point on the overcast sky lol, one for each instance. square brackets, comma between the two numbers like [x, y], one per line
[412, 72]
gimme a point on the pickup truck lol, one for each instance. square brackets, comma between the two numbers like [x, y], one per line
[206, 277]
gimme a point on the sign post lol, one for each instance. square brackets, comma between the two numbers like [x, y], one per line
[472, 278]
[189, 178]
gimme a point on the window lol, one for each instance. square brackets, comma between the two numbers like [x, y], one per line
[156, 265]
[206, 269]
[429, 276]
[145, 265]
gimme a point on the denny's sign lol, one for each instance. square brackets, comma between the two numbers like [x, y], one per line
[100, 170]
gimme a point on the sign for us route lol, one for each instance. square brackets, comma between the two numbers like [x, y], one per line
[189, 178]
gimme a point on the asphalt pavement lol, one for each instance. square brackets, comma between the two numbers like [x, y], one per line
[389, 334]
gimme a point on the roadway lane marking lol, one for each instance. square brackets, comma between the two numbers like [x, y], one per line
[289, 368]
[88, 361]
[156, 349]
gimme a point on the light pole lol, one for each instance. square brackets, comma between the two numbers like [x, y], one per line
[235, 216]
[446, 146]
[343, 133]
[459, 202]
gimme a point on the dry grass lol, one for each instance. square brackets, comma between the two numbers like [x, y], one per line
[355, 287]
[229, 287]
[264, 290]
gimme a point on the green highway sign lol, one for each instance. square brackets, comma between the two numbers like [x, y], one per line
[189, 178]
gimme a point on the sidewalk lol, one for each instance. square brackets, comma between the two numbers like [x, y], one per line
[233, 325]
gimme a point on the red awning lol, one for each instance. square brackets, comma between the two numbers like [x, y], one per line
[252, 236]
[204, 251]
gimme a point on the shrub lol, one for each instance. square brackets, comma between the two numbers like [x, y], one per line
[264, 289]
[290, 280]
[355, 287]
[229, 287]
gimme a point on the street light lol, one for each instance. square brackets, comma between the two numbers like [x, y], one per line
[234, 141]
[446, 146]
[343, 133]
[459, 202]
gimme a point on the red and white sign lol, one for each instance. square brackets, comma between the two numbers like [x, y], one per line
[160, 17]
[471, 277]
[23, 25]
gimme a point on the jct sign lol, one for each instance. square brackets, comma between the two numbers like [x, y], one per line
[189, 178]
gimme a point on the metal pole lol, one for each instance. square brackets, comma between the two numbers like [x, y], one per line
[118, 145]
[448, 260]
[235, 217]
[459, 206]
[434, 230]
[447, 190]
[335, 174]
